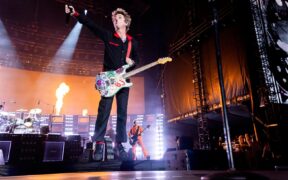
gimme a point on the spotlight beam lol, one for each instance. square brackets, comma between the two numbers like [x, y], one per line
[67, 48]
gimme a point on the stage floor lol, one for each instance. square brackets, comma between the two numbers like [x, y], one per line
[127, 175]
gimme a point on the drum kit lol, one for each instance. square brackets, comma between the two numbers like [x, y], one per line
[9, 123]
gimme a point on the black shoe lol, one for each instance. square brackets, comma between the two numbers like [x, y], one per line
[122, 154]
[98, 153]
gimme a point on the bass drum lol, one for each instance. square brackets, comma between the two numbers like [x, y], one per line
[28, 122]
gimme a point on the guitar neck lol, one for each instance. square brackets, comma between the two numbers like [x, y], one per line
[138, 70]
[144, 130]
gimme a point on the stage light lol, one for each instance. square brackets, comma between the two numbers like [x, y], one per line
[91, 133]
[5, 41]
[159, 143]
[84, 112]
[85, 11]
[6, 44]
[66, 50]
[68, 133]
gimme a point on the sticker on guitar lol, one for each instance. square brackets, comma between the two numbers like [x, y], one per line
[108, 83]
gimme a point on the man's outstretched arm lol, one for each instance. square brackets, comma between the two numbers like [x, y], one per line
[97, 30]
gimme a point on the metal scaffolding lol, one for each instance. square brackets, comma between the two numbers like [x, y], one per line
[198, 81]
[196, 31]
[270, 88]
[200, 98]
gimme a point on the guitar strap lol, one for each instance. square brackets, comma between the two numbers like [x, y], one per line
[129, 49]
[136, 133]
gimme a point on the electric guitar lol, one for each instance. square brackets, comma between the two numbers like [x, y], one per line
[108, 83]
[133, 139]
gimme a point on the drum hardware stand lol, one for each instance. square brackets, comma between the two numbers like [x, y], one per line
[51, 120]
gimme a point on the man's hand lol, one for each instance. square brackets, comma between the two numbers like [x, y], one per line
[69, 10]
[129, 61]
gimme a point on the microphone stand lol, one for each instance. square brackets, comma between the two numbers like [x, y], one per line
[50, 117]
[221, 84]
[2, 105]
[232, 174]
[51, 121]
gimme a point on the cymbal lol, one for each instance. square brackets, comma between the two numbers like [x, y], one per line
[21, 110]
[35, 111]
[3, 113]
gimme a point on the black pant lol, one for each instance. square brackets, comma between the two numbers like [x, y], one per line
[104, 110]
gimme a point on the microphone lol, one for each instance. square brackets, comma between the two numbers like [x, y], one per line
[67, 18]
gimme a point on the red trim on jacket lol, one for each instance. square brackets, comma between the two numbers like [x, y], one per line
[129, 38]
[114, 44]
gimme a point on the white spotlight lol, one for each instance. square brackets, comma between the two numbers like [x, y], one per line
[85, 11]
[67, 48]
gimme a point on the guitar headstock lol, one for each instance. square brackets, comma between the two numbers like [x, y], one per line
[164, 60]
